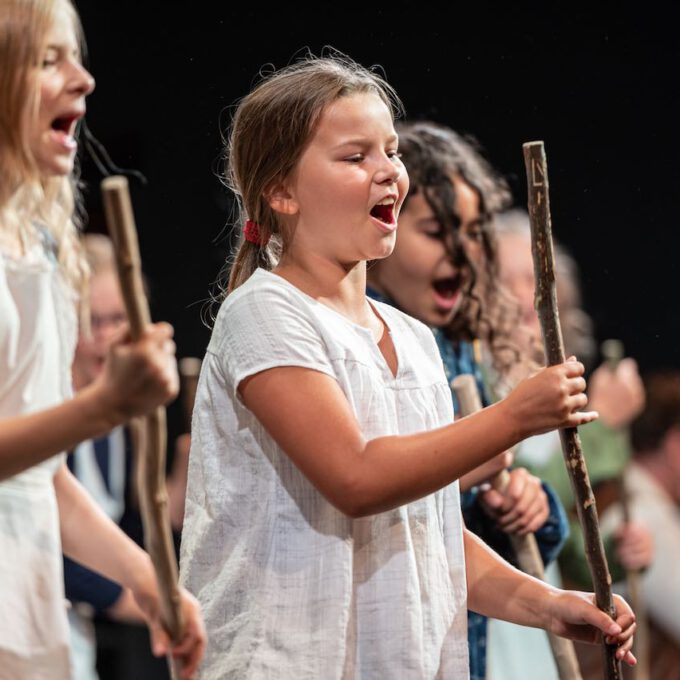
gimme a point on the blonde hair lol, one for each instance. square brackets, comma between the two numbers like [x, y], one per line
[26, 198]
[271, 129]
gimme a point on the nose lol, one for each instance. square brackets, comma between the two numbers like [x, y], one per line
[389, 172]
[82, 82]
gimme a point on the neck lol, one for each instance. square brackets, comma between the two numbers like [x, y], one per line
[338, 285]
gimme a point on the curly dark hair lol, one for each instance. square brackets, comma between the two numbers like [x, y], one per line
[433, 154]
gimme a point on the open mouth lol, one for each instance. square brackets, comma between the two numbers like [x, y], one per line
[65, 124]
[384, 213]
[447, 291]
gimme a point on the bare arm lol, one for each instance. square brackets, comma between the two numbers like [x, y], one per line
[309, 417]
[91, 538]
[138, 377]
[486, 471]
[527, 601]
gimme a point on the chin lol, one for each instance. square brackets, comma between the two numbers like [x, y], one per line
[384, 249]
[56, 167]
[440, 319]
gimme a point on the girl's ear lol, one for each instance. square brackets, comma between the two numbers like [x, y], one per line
[282, 201]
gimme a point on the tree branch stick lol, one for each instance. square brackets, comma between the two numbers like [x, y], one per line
[151, 459]
[546, 305]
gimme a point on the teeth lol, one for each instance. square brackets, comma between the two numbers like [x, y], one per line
[387, 201]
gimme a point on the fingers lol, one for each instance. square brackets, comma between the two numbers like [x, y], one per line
[191, 648]
[493, 499]
[160, 642]
[522, 507]
[625, 623]
[533, 519]
[159, 334]
[581, 418]
[573, 368]
[531, 509]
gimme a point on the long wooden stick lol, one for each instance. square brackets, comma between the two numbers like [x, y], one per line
[612, 352]
[525, 547]
[152, 493]
[546, 305]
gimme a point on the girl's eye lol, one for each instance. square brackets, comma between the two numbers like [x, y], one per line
[50, 59]
[474, 233]
[357, 158]
[394, 155]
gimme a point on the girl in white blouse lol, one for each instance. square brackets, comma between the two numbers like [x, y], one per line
[43, 86]
[322, 533]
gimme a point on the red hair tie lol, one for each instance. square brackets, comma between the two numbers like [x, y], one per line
[251, 232]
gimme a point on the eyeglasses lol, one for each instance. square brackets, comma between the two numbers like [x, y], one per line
[101, 321]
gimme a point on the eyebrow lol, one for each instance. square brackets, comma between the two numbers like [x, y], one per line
[364, 142]
[64, 48]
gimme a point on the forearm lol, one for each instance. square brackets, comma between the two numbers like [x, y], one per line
[392, 471]
[93, 540]
[498, 590]
[28, 440]
[126, 609]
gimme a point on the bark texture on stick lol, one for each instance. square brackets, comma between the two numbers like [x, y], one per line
[151, 459]
[545, 302]
[525, 547]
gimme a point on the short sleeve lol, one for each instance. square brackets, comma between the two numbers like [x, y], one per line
[83, 585]
[266, 326]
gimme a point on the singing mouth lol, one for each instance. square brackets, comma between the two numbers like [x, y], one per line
[66, 123]
[384, 210]
[448, 289]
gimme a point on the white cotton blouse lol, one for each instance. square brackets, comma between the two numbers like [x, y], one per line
[290, 586]
[38, 329]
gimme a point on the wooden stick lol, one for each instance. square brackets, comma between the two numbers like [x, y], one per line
[612, 352]
[525, 547]
[151, 461]
[546, 305]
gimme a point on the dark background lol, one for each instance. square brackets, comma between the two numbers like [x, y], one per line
[598, 85]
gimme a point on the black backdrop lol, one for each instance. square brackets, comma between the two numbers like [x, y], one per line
[598, 85]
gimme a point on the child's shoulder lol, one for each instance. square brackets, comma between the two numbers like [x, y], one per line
[264, 303]
[261, 292]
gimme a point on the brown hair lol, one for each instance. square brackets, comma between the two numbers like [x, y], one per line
[270, 130]
[25, 196]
